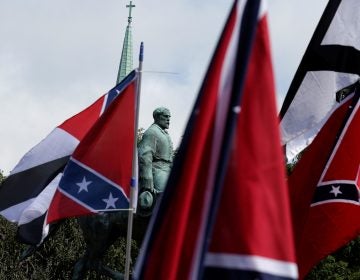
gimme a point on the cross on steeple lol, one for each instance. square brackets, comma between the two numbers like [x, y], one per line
[130, 6]
[126, 61]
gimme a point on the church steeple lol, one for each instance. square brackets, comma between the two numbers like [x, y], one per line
[126, 61]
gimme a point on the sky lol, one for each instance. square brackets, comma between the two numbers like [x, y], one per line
[57, 57]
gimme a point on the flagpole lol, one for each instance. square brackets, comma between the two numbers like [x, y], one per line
[133, 189]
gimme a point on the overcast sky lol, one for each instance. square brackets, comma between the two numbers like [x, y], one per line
[57, 57]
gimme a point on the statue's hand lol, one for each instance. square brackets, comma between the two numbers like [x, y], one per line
[152, 189]
[147, 184]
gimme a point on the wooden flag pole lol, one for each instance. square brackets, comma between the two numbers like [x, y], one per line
[134, 180]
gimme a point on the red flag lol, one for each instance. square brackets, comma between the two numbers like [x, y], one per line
[98, 174]
[324, 192]
[253, 227]
[231, 154]
[325, 188]
[25, 195]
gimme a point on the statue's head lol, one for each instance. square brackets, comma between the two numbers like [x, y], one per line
[161, 117]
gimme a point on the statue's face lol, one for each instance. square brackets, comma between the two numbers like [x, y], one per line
[163, 120]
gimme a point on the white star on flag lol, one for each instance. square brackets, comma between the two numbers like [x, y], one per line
[110, 202]
[335, 190]
[83, 185]
[237, 109]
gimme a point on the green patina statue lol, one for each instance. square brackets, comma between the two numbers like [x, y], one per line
[155, 160]
[155, 152]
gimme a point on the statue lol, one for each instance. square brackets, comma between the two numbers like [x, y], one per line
[102, 230]
[155, 160]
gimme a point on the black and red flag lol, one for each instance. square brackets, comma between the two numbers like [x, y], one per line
[26, 193]
[324, 185]
[225, 211]
[331, 62]
[320, 112]
[98, 175]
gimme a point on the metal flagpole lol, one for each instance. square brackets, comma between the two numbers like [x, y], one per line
[134, 182]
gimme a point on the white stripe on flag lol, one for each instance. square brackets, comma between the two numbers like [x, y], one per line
[252, 263]
[40, 204]
[57, 144]
[302, 122]
[14, 212]
[344, 30]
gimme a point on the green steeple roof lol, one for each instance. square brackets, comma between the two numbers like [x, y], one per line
[126, 61]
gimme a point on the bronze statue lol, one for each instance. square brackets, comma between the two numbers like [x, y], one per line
[101, 231]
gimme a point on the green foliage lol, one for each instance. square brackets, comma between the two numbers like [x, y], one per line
[53, 259]
[140, 134]
[56, 258]
[291, 165]
[342, 265]
[2, 177]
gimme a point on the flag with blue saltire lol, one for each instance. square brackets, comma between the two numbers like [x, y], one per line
[330, 63]
[321, 112]
[98, 175]
[26, 193]
[325, 187]
[225, 212]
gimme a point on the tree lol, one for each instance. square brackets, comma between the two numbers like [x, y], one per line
[140, 134]
[343, 264]
[2, 177]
